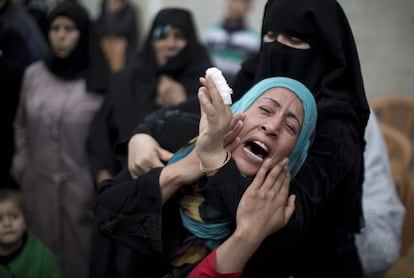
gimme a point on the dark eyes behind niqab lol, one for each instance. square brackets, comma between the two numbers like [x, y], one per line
[330, 69]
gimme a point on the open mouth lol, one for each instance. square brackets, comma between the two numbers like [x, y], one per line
[257, 148]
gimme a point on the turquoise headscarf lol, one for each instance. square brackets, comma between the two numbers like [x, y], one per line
[215, 233]
[298, 155]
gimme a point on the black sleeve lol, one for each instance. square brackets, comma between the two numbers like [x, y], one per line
[181, 120]
[244, 79]
[130, 212]
[14, 56]
[197, 68]
[99, 145]
[151, 121]
[224, 189]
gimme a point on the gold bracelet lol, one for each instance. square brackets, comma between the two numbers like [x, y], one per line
[212, 171]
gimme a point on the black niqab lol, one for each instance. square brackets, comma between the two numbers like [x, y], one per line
[330, 69]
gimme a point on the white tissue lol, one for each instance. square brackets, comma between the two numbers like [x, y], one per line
[221, 84]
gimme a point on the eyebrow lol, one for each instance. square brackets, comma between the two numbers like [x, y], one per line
[290, 114]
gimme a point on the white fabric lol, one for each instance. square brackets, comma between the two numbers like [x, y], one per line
[379, 242]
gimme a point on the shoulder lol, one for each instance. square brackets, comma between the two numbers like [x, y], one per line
[36, 66]
[35, 245]
[35, 69]
[41, 256]
[36, 249]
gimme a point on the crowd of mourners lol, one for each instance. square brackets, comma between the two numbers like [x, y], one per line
[120, 159]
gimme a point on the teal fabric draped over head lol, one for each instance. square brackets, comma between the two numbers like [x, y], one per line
[215, 233]
[298, 155]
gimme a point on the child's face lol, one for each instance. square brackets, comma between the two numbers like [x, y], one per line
[12, 224]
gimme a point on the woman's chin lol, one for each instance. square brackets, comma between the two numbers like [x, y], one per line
[248, 169]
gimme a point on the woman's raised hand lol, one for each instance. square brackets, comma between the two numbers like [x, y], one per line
[266, 206]
[216, 118]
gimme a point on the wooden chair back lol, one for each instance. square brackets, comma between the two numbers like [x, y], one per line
[399, 152]
[397, 111]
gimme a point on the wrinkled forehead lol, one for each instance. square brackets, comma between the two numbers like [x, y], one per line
[284, 97]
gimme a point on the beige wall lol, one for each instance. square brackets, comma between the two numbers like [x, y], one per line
[383, 30]
[205, 12]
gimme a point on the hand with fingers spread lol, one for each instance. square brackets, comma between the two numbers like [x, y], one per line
[264, 208]
[216, 118]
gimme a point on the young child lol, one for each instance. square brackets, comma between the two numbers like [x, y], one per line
[21, 253]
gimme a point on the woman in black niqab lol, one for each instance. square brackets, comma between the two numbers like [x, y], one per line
[329, 186]
[330, 68]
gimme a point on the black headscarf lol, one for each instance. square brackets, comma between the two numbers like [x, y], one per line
[179, 18]
[75, 65]
[120, 23]
[330, 68]
[185, 67]
[132, 92]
